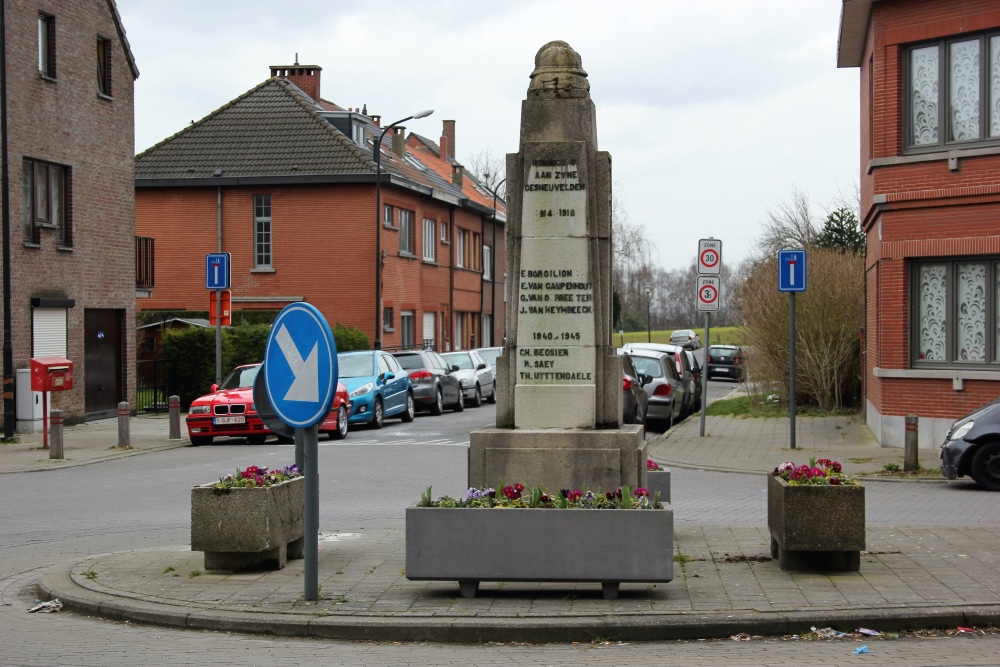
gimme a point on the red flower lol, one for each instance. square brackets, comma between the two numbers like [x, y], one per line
[511, 492]
[640, 492]
[574, 495]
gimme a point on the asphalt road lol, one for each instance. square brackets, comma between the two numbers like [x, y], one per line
[366, 481]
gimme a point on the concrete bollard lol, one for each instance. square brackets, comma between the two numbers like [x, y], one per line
[175, 417]
[56, 434]
[124, 437]
[911, 458]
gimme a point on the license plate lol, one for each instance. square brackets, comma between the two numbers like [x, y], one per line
[238, 419]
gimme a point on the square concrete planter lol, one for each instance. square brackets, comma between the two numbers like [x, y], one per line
[659, 480]
[473, 545]
[248, 528]
[816, 527]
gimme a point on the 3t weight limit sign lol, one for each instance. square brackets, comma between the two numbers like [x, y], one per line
[709, 288]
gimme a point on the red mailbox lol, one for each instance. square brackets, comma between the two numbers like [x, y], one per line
[51, 374]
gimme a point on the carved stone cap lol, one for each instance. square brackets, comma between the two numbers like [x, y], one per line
[558, 73]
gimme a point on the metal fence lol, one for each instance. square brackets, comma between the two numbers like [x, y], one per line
[155, 382]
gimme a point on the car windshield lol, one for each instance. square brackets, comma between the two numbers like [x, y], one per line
[240, 378]
[490, 356]
[410, 362]
[460, 359]
[356, 366]
[647, 366]
[724, 352]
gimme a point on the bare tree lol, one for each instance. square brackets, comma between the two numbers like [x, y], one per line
[490, 169]
[789, 224]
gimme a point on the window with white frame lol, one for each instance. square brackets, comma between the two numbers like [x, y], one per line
[487, 263]
[408, 327]
[407, 240]
[430, 240]
[262, 231]
[387, 321]
[952, 93]
[956, 313]
[460, 259]
[487, 331]
[444, 232]
[387, 215]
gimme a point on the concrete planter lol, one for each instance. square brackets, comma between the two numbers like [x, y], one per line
[816, 527]
[248, 528]
[659, 480]
[473, 545]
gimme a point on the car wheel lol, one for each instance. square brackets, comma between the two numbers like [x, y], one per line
[410, 410]
[341, 431]
[438, 406]
[492, 398]
[199, 440]
[477, 398]
[460, 406]
[256, 439]
[378, 414]
[986, 466]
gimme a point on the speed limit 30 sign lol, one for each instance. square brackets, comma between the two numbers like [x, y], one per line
[708, 292]
[710, 256]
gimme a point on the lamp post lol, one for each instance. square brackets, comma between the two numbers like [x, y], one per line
[649, 329]
[377, 345]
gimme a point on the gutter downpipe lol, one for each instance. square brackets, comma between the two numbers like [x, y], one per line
[8, 345]
[451, 279]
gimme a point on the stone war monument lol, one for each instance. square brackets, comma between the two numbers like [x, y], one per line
[559, 378]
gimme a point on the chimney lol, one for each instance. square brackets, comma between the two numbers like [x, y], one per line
[399, 140]
[306, 77]
[449, 133]
[443, 148]
[456, 175]
[377, 119]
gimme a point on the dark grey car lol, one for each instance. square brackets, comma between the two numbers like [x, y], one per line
[972, 447]
[435, 386]
[684, 370]
[634, 401]
[665, 391]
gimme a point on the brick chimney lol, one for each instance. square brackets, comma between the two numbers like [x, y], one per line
[456, 175]
[443, 147]
[399, 140]
[449, 135]
[306, 77]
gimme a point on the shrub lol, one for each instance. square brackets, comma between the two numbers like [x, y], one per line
[191, 352]
[249, 341]
[349, 339]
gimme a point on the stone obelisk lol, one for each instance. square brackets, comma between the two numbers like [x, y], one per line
[559, 378]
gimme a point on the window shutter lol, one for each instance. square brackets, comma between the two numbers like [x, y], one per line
[48, 332]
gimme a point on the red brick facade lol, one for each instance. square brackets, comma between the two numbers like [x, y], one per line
[62, 120]
[918, 205]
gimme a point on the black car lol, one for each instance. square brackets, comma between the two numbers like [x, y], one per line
[725, 360]
[972, 447]
[435, 386]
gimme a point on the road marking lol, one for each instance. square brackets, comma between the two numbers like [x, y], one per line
[305, 387]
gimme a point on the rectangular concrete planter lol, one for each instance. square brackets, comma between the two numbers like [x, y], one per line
[659, 480]
[248, 528]
[473, 545]
[815, 527]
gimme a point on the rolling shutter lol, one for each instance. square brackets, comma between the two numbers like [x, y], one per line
[48, 332]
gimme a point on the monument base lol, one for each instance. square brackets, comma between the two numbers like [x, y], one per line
[600, 460]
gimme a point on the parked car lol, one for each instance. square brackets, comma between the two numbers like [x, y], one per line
[475, 375]
[972, 447]
[683, 368]
[664, 388]
[490, 354]
[724, 360]
[379, 387]
[633, 395]
[686, 338]
[229, 411]
[696, 370]
[435, 386]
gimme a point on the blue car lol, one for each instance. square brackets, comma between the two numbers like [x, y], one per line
[378, 387]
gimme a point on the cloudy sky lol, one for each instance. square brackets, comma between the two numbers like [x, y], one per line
[712, 112]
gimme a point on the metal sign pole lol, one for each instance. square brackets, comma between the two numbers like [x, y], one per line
[704, 372]
[218, 336]
[791, 391]
[310, 542]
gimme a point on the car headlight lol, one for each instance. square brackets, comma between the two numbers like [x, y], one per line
[253, 407]
[962, 430]
[362, 390]
[200, 409]
[463, 381]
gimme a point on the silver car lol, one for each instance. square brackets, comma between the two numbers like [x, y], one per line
[665, 391]
[686, 338]
[475, 375]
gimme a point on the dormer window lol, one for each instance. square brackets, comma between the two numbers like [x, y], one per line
[360, 135]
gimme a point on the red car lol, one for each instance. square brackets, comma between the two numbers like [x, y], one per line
[229, 412]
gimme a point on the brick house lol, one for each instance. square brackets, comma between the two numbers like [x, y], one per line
[930, 206]
[70, 140]
[285, 181]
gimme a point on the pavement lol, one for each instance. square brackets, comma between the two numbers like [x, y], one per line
[724, 582]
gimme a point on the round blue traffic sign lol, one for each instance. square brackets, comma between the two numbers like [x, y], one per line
[300, 366]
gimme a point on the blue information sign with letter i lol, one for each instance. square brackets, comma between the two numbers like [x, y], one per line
[791, 270]
[217, 270]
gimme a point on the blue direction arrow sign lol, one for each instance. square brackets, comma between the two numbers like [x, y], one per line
[791, 270]
[217, 270]
[300, 365]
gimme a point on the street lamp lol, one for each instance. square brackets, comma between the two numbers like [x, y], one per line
[378, 223]
[649, 332]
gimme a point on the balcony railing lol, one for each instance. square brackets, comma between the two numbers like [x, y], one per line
[144, 264]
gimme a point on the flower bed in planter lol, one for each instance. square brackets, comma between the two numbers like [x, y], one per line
[658, 479]
[251, 521]
[816, 517]
[565, 540]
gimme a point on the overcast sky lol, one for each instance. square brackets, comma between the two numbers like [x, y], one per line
[712, 112]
